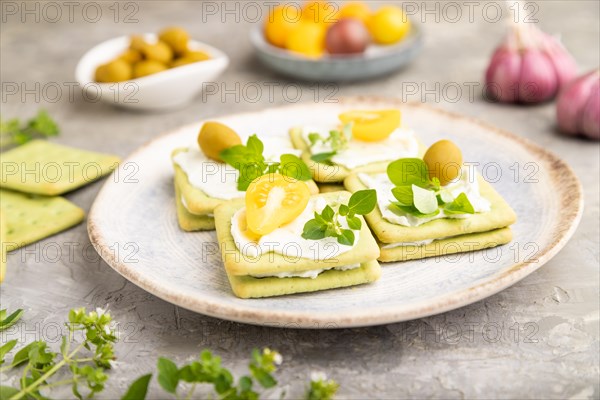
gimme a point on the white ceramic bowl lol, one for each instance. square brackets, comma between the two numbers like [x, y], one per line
[164, 90]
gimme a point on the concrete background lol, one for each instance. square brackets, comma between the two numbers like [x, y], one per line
[548, 323]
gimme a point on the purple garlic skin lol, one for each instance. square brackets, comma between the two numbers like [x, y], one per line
[578, 106]
[538, 81]
[529, 67]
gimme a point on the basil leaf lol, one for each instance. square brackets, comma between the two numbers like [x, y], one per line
[327, 213]
[411, 210]
[343, 210]
[363, 202]
[314, 137]
[460, 205]
[6, 392]
[346, 237]
[8, 346]
[22, 355]
[354, 223]
[255, 145]
[424, 200]
[138, 389]
[168, 376]
[294, 167]
[408, 171]
[404, 194]
[11, 319]
[323, 157]
[314, 230]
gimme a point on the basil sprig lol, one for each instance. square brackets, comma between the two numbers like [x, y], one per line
[337, 140]
[251, 163]
[420, 196]
[327, 223]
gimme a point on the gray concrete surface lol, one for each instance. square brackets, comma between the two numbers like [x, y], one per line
[555, 310]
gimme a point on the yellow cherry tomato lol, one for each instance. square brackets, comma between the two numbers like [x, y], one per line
[280, 22]
[307, 39]
[274, 200]
[388, 25]
[320, 12]
[372, 126]
[357, 10]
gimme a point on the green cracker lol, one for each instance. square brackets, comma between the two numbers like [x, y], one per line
[247, 287]
[326, 173]
[241, 269]
[199, 203]
[330, 187]
[453, 245]
[42, 167]
[3, 250]
[500, 216]
[190, 222]
[30, 218]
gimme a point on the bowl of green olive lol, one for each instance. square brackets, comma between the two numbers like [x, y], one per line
[149, 71]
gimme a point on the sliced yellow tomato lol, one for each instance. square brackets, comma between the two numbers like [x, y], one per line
[274, 200]
[372, 126]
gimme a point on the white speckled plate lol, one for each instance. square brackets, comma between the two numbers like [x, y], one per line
[133, 226]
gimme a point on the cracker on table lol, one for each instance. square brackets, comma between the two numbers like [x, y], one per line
[43, 167]
[30, 218]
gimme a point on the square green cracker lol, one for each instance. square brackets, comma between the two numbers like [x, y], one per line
[451, 245]
[242, 269]
[196, 201]
[190, 222]
[42, 167]
[247, 287]
[30, 218]
[3, 250]
[500, 216]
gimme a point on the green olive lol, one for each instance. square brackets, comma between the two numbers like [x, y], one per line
[214, 137]
[147, 67]
[444, 161]
[158, 51]
[131, 56]
[115, 71]
[190, 57]
[137, 42]
[177, 38]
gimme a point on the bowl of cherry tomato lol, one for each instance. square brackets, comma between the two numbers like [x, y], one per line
[320, 41]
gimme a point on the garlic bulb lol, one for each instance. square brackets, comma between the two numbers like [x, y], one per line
[529, 67]
[578, 106]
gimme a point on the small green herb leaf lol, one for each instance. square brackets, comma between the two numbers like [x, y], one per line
[22, 355]
[346, 237]
[362, 202]
[9, 321]
[413, 211]
[424, 200]
[7, 347]
[323, 157]
[344, 210]
[294, 167]
[7, 392]
[255, 145]
[138, 389]
[354, 223]
[408, 171]
[314, 230]
[168, 376]
[460, 205]
[404, 194]
[327, 213]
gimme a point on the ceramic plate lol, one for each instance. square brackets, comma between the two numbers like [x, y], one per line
[133, 226]
[376, 61]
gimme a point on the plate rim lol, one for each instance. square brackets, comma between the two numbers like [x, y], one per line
[571, 198]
